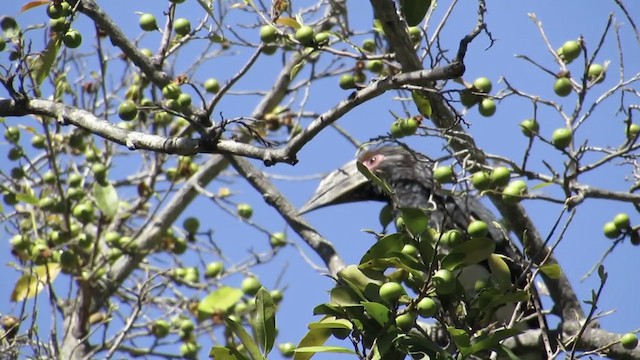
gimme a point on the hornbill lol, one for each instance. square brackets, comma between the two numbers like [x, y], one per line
[409, 176]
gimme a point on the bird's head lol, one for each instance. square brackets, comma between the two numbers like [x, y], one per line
[400, 168]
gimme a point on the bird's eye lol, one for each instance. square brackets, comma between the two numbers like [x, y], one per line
[372, 160]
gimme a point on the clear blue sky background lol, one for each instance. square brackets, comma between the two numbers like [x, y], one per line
[515, 33]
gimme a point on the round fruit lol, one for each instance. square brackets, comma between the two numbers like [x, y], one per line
[481, 180]
[3, 44]
[213, 269]
[127, 110]
[390, 292]
[477, 229]
[443, 174]
[487, 107]
[278, 239]
[562, 86]
[171, 91]
[287, 349]
[596, 73]
[269, 49]
[629, 341]
[369, 45]
[410, 250]
[245, 210]
[409, 126]
[182, 26]
[148, 22]
[99, 172]
[529, 127]
[250, 285]
[179, 246]
[72, 39]
[359, 77]
[276, 295]
[322, 38]
[347, 81]
[468, 99]
[160, 329]
[83, 212]
[570, 50]
[268, 34]
[12, 134]
[189, 350]
[611, 230]
[184, 100]
[622, 221]
[396, 129]
[415, 34]
[405, 321]
[55, 11]
[500, 176]
[375, 66]
[57, 25]
[427, 307]
[452, 238]
[632, 131]
[444, 281]
[162, 118]
[561, 138]
[191, 225]
[212, 86]
[483, 85]
[304, 35]
[187, 325]
[147, 52]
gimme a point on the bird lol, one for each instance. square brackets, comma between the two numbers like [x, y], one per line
[409, 176]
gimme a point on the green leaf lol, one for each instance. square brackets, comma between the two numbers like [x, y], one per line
[374, 179]
[219, 300]
[398, 260]
[106, 199]
[265, 323]
[41, 64]
[245, 338]
[499, 271]
[296, 68]
[377, 311]
[387, 244]
[414, 11]
[554, 271]
[469, 252]
[366, 285]
[32, 283]
[416, 220]
[313, 338]
[332, 322]
[290, 22]
[28, 198]
[317, 349]
[224, 353]
[422, 103]
[489, 341]
[417, 343]
[460, 337]
[541, 185]
[341, 295]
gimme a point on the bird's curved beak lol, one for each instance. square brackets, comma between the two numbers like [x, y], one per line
[340, 186]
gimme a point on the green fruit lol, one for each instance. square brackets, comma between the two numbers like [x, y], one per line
[481, 180]
[415, 34]
[529, 127]
[347, 81]
[268, 34]
[182, 26]
[410, 250]
[171, 91]
[269, 49]
[629, 341]
[83, 212]
[46, 203]
[72, 39]
[444, 281]
[99, 171]
[483, 85]
[3, 44]
[321, 38]
[74, 179]
[176, 1]
[512, 194]
[179, 246]
[191, 225]
[287, 349]
[58, 25]
[468, 99]
[562, 86]
[561, 138]
[245, 210]
[278, 239]
[596, 73]
[500, 176]
[611, 230]
[162, 118]
[127, 110]
[390, 292]
[189, 350]
[487, 107]
[443, 174]
[19, 242]
[213, 269]
[184, 100]
[375, 66]
[452, 238]
[160, 329]
[212, 86]
[12, 134]
[187, 325]
[405, 321]
[359, 77]
[632, 131]
[570, 51]
[148, 22]
[112, 238]
[10, 199]
[276, 295]
[369, 45]
[55, 11]
[68, 259]
[14, 154]
[147, 52]
[622, 221]
[427, 307]
[478, 229]
[304, 35]
[396, 129]
[409, 126]
[250, 285]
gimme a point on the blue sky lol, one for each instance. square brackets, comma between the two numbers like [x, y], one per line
[514, 33]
